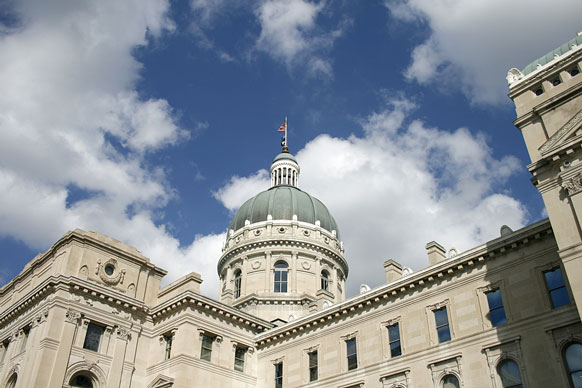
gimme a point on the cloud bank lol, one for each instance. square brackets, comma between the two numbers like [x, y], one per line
[399, 186]
[472, 42]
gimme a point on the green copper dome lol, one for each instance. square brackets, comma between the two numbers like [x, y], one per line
[282, 202]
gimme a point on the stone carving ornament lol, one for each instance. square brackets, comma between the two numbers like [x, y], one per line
[573, 185]
[110, 273]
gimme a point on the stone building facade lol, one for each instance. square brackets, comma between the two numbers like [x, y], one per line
[90, 312]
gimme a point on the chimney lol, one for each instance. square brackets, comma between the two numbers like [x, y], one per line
[436, 253]
[393, 270]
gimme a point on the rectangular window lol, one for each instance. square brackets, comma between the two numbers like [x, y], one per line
[557, 287]
[25, 333]
[168, 349]
[312, 365]
[442, 324]
[93, 337]
[352, 354]
[206, 350]
[496, 309]
[239, 358]
[394, 340]
[279, 375]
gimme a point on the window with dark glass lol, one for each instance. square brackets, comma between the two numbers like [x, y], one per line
[352, 354]
[4, 350]
[237, 283]
[442, 324]
[93, 337]
[81, 381]
[450, 381]
[312, 365]
[324, 280]
[206, 348]
[12, 381]
[239, 358]
[394, 340]
[573, 356]
[539, 91]
[556, 81]
[496, 309]
[279, 375]
[574, 72]
[509, 374]
[168, 346]
[556, 287]
[281, 271]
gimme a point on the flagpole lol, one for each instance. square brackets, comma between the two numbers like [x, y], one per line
[286, 132]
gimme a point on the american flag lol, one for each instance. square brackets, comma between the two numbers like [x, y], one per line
[282, 127]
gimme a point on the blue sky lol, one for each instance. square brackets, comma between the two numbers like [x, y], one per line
[152, 121]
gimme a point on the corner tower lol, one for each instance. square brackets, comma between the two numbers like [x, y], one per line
[282, 257]
[548, 101]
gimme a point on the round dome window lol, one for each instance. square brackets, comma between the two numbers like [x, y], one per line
[109, 269]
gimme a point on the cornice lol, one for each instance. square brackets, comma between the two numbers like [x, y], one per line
[281, 243]
[544, 72]
[73, 285]
[189, 298]
[83, 238]
[416, 281]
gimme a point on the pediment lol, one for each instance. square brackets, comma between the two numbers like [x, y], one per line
[568, 135]
[162, 381]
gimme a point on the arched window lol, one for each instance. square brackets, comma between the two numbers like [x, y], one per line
[324, 280]
[237, 283]
[81, 381]
[450, 381]
[573, 356]
[509, 374]
[281, 271]
[12, 381]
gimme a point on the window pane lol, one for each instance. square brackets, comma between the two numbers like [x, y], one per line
[441, 316]
[284, 276]
[574, 357]
[394, 333]
[494, 299]
[450, 381]
[283, 287]
[559, 297]
[277, 287]
[497, 317]
[351, 346]
[395, 349]
[509, 373]
[81, 381]
[444, 333]
[205, 354]
[277, 276]
[93, 337]
[554, 278]
[352, 362]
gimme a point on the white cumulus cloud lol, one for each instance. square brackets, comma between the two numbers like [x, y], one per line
[400, 186]
[472, 43]
[75, 135]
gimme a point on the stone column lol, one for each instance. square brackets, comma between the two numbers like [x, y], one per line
[121, 336]
[70, 322]
[293, 268]
[268, 271]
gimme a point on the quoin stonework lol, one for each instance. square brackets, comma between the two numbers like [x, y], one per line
[91, 312]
